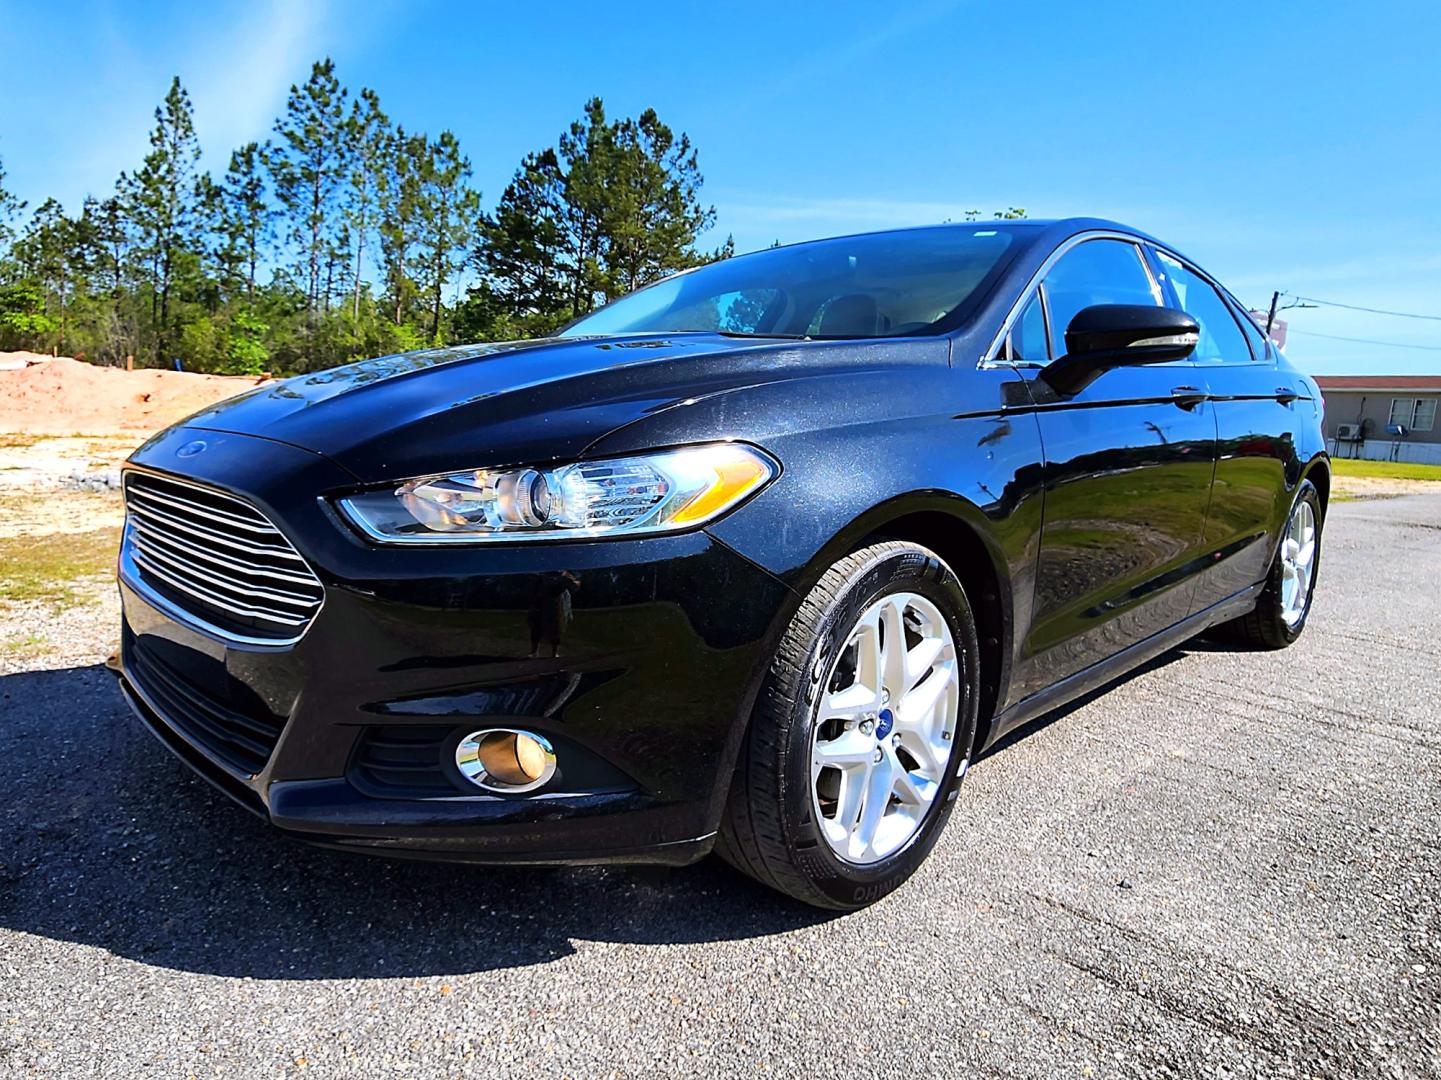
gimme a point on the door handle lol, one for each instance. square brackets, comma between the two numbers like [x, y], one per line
[1187, 397]
[1285, 395]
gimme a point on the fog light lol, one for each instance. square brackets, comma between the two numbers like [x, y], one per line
[504, 760]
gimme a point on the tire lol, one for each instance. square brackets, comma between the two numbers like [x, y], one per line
[775, 828]
[1272, 623]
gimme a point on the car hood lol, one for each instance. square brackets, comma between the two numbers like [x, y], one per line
[475, 406]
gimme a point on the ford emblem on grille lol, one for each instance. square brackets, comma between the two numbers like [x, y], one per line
[190, 449]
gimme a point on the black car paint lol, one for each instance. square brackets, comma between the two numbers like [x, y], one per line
[671, 636]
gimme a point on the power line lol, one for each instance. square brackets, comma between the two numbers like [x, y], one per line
[1366, 341]
[1372, 310]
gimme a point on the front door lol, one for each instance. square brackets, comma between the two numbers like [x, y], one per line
[1128, 470]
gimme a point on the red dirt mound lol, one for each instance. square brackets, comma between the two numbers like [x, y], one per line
[61, 396]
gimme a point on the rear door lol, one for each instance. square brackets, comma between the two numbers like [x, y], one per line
[1128, 469]
[1258, 409]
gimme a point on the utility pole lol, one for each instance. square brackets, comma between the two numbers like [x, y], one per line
[1271, 315]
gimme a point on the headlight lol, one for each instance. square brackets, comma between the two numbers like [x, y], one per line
[634, 496]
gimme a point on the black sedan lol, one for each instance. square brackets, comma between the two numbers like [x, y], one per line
[756, 559]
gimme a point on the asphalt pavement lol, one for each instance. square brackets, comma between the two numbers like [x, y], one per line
[1228, 864]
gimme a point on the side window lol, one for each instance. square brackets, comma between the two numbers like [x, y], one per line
[1221, 338]
[1096, 272]
[1028, 334]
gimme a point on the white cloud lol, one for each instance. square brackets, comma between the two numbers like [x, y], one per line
[238, 95]
[236, 60]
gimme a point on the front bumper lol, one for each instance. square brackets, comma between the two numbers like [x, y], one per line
[349, 733]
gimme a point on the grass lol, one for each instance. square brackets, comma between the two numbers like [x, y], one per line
[21, 440]
[14, 440]
[23, 646]
[59, 567]
[1385, 470]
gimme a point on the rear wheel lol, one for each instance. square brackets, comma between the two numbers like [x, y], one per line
[1284, 605]
[861, 734]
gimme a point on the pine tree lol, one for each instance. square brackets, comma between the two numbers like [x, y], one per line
[369, 135]
[652, 214]
[522, 255]
[614, 207]
[586, 157]
[160, 203]
[245, 216]
[108, 239]
[46, 253]
[10, 208]
[216, 274]
[398, 194]
[308, 165]
[446, 213]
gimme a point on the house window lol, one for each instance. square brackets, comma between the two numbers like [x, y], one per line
[1417, 414]
[1425, 418]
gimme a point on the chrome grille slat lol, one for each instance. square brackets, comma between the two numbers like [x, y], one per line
[209, 534]
[150, 532]
[201, 593]
[215, 557]
[220, 516]
[176, 566]
[193, 490]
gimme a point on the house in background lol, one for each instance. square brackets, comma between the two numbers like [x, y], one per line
[1383, 417]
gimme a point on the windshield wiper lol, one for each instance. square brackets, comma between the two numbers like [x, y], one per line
[743, 334]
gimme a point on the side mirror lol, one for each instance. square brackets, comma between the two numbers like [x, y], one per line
[1106, 336]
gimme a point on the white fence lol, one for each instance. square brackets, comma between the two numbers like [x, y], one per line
[1387, 450]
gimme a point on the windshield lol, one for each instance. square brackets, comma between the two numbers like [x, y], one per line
[876, 285]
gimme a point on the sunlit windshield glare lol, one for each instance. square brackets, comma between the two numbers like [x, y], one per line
[861, 286]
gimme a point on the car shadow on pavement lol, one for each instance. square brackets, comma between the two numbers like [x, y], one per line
[109, 842]
[1045, 720]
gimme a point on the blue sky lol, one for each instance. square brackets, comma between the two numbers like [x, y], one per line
[1287, 145]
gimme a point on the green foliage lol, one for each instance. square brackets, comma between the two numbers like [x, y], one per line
[23, 321]
[246, 353]
[201, 344]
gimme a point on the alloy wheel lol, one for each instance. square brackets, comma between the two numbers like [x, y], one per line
[884, 728]
[1298, 560]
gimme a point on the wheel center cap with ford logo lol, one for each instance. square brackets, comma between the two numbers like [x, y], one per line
[884, 723]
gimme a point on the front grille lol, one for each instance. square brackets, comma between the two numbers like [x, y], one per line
[217, 558]
[242, 741]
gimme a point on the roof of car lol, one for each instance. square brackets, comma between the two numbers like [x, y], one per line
[1064, 226]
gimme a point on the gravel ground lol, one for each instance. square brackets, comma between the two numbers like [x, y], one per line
[1226, 865]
